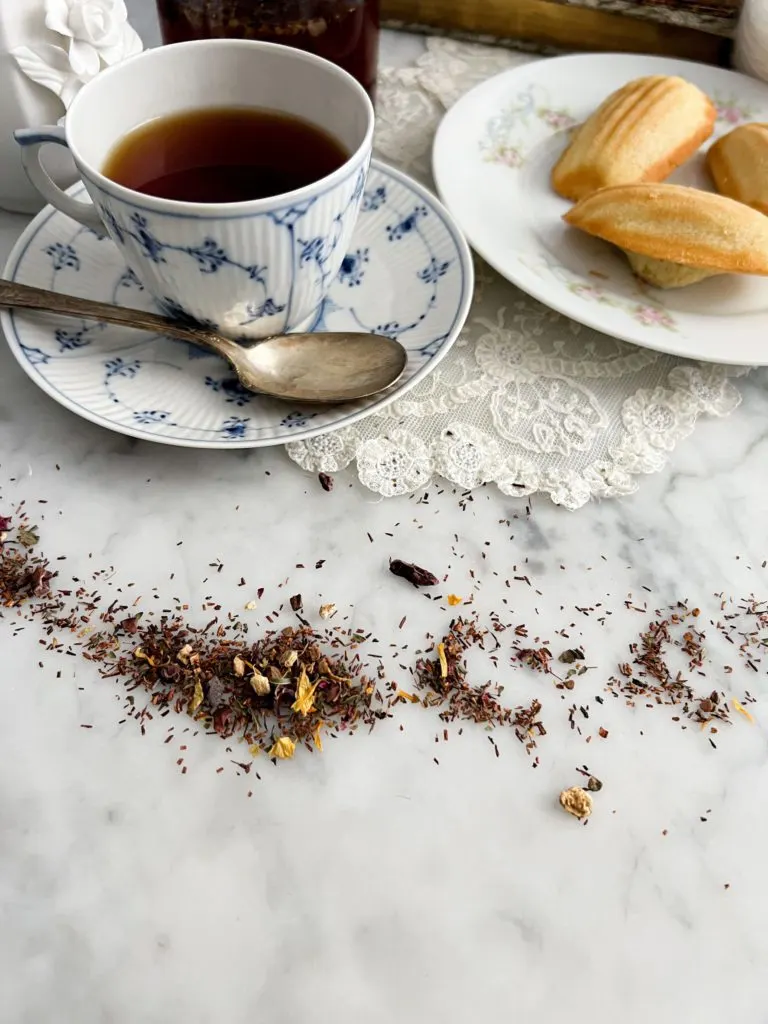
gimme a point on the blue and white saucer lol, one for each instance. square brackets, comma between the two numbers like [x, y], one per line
[408, 274]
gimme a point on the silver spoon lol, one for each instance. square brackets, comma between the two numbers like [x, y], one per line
[324, 367]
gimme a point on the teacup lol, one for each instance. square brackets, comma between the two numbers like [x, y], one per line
[199, 260]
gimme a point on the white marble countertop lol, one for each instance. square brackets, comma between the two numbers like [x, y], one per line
[369, 884]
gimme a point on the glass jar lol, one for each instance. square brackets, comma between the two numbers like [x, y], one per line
[343, 31]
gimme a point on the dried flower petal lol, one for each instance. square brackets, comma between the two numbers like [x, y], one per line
[317, 737]
[239, 666]
[327, 610]
[260, 684]
[289, 659]
[184, 653]
[251, 606]
[443, 660]
[412, 697]
[743, 711]
[283, 748]
[5, 524]
[454, 599]
[305, 694]
[141, 655]
[197, 697]
[576, 801]
[254, 750]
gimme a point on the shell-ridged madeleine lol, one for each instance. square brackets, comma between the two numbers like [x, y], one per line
[738, 163]
[641, 133]
[684, 227]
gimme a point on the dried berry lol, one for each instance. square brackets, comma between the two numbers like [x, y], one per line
[413, 573]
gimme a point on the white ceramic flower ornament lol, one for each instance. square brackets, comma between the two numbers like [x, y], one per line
[93, 34]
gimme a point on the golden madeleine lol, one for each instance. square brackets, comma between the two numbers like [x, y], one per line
[738, 163]
[641, 133]
[685, 228]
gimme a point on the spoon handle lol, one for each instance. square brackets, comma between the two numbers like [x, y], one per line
[23, 296]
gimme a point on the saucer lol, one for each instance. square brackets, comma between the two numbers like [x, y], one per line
[408, 274]
[493, 156]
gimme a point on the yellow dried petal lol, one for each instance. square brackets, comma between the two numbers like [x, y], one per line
[443, 660]
[317, 738]
[283, 748]
[743, 711]
[197, 697]
[251, 606]
[408, 696]
[305, 694]
[454, 599]
[254, 750]
[184, 653]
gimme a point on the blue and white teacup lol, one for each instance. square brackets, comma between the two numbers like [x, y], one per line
[248, 269]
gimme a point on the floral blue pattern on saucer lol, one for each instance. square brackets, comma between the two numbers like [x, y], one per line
[407, 274]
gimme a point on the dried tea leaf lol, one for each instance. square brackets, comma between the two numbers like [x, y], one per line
[326, 481]
[574, 654]
[283, 748]
[28, 536]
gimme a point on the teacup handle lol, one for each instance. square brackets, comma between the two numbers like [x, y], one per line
[31, 140]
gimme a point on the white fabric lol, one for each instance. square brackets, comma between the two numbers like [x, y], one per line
[526, 399]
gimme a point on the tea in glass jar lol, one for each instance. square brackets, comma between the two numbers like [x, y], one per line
[345, 32]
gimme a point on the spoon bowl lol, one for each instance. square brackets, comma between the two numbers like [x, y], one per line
[325, 368]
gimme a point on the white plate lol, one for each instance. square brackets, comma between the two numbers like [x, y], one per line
[408, 274]
[492, 158]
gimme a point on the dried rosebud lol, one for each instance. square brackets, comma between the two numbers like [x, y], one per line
[283, 748]
[327, 610]
[289, 659]
[326, 481]
[238, 666]
[261, 685]
[576, 801]
[413, 573]
[296, 603]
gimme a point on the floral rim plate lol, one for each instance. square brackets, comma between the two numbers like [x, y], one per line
[408, 274]
[492, 159]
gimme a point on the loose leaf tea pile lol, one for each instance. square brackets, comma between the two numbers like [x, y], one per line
[294, 686]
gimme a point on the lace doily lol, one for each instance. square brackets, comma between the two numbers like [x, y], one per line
[526, 399]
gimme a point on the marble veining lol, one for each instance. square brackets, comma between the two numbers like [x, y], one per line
[370, 884]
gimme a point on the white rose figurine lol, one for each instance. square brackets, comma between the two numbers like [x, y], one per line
[96, 35]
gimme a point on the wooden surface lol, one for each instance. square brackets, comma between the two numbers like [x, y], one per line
[564, 26]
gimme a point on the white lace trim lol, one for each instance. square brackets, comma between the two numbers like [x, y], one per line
[526, 399]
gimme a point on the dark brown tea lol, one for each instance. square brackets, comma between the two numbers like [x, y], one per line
[223, 155]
